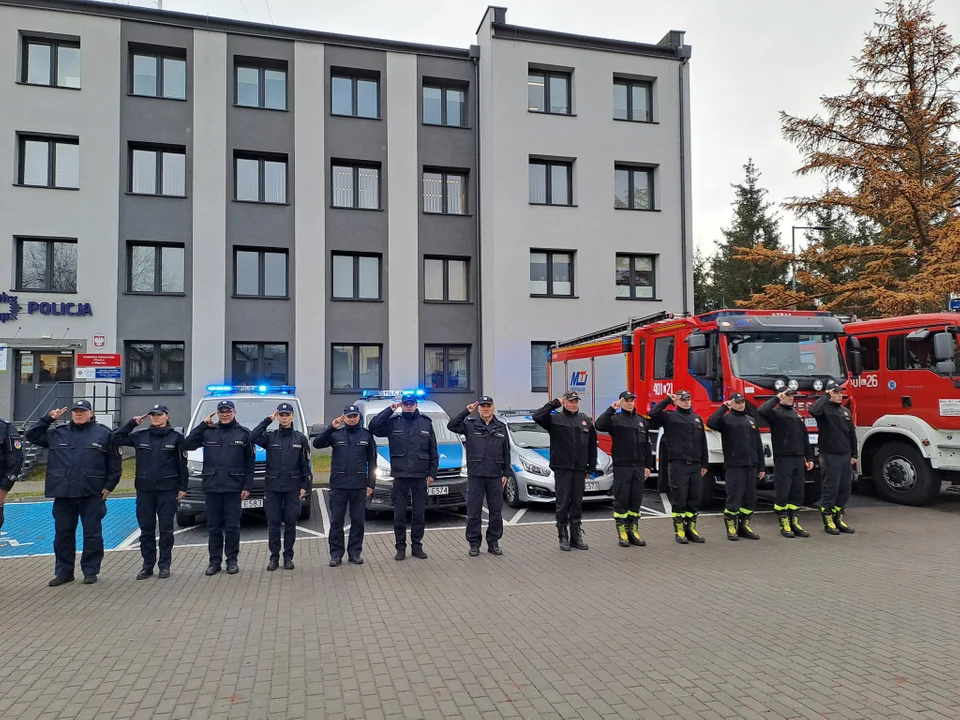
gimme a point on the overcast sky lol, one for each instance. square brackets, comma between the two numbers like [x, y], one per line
[751, 59]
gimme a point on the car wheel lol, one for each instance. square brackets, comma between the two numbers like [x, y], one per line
[511, 492]
[902, 475]
[185, 519]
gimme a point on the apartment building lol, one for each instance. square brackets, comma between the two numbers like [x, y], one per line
[219, 201]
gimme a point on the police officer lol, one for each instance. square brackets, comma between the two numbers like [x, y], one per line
[632, 463]
[689, 461]
[792, 455]
[289, 479]
[83, 467]
[228, 466]
[838, 456]
[488, 461]
[352, 480]
[413, 463]
[11, 461]
[573, 456]
[161, 480]
[743, 464]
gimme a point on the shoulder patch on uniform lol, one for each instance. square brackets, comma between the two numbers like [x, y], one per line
[17, 443]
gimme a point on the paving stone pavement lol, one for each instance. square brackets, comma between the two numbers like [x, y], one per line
[861, 626]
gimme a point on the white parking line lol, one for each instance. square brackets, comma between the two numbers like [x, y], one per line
[651, 511]
[324, 512]
[130, 539]
[311, 532]
[516, 518]
[667, 507]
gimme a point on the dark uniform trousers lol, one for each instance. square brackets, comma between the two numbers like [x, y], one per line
[479, 488]
[281, 507]
[402, 489]
[686, 486]
[153, 507]
[570, 485]
[837, 480]
[223, 526]
[67, 511]
[789, 475]
[741, 482]
[627, 490]
[354, 500]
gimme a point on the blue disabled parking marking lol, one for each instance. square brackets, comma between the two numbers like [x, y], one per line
[28, 527]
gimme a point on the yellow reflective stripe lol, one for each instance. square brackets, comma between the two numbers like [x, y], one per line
[688, 514]
[789, 507]
[620, 515]
[631, 513]
[744, 511]
[678, 515]
[779, 508]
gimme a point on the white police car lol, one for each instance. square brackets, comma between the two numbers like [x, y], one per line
[531, 479]
[449, 488]
[253, 403]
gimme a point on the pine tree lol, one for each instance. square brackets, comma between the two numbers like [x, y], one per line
[704, 299]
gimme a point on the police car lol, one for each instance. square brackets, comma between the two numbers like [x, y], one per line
[531, 479]
[253, 403]
[449, 488]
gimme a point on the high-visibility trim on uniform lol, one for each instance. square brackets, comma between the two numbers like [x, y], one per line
[729, 513]
[631, 513]
[678, 514]
[744, 511]
[837, 509]
[791, 507]
[620, 516]
[689, 514]
[780, 508]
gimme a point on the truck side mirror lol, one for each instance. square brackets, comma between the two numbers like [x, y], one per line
[946, 367]
[697, 341]
[700, 362]
[316, 429]
[854, 356]
[943, 347]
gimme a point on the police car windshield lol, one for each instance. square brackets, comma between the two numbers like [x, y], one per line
[439, 420]
[250, 411]
[527, 434]
[789, 354]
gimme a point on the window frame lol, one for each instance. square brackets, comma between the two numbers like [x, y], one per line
[54, 43]
[355, 258]
[631, 171]
[549, 345]
[158, 55]
[261, 253]
[51, 141]
[158, 267]
[633, 257]
[547, 75]
[50, 242]
[630, 84]
[262, 159]
[356, 167]
[159, 151]
[261, 65]
[445, 195]
[446, 360]
[356, 367]
[354, 76]
[260, 354]
[550, 254]
[548, 166]
[446, 259]
[444, 88]
[155, 390]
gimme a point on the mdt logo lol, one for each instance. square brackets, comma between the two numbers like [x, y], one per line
[578, 379]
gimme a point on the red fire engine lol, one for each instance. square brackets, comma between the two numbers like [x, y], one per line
[758, 353]
[908, 405]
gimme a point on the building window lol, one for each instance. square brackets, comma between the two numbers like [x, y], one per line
[444, 106]
[356, 276]
[633, 188]
[446, 367]
[261, 178]
[444, 192]
[158, 171]
[635, 277]
[355, 186]
[550, 182]
[154, 367]
[159, 73]
[259, 273]
[49, 162]
[632, 100]
[355, 367]
[355, 95]
[445, 279]
[539, 372]
[259, 363]
[47, 265]
[50, 62]
[261, 84]
[548, 92]
[551, 273]
[663, 358]
[154, 268]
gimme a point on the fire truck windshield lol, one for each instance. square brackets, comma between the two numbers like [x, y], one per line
[785, 354]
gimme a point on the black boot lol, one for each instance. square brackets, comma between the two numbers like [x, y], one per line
[841, 525]
[634, 532]
[680, 530]
[576, 538]
[730, 522]
[786, 526]
[622, 532]
[564, 535]
[743, 527]
[692, 533]
[795, 525]
[829, 526]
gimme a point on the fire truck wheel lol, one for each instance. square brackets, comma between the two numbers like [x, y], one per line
[511, 493]
[902, 475]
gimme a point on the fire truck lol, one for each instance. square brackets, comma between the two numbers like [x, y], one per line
[908, 405]
[757, 353]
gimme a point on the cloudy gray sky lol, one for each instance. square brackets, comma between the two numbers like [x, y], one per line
[751, 59]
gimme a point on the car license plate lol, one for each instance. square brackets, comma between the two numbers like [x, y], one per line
[253, 503]
[438, 490]
[592, 486]
[814, 438]
[810, 422]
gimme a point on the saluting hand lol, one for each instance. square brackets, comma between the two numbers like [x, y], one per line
[208, 420]
[138, 419]
[673, 398]
[729, 404]
[472, 406]
[274, 415]
[55, 414]
[337, 422]
[616, 404]
[394, 406]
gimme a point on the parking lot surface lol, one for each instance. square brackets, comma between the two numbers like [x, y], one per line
[860, 626]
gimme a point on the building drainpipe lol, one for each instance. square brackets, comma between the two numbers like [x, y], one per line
[683, 193]
[475, 56]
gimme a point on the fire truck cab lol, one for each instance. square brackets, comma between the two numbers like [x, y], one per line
[758, 353]
[908, 405]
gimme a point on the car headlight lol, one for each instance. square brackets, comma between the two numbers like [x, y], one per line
[793, 385]
[194, 467]
[818, 384]
[779, 384]
[463, 471]
[534, 469]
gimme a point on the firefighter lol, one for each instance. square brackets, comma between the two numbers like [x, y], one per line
[838, 456]
[792, 455]
[11, 460]
[689, 461]
[743, 464]
[632, 463]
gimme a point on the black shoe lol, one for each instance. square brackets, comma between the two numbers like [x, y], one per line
[419, 553]
[576, 538]
[89, 579]
[564, 535]
[335, 562]
[494, 549]
[474, 550]
[144, 574]
[288, 564]
[401, 554]
[841, 525]
[58, 581]
[356, 560]
[232, 568]
[212, 570]
[164, 573]
[272, 565]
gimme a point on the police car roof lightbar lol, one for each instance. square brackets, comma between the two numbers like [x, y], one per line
[373, 394]
[260, 389]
